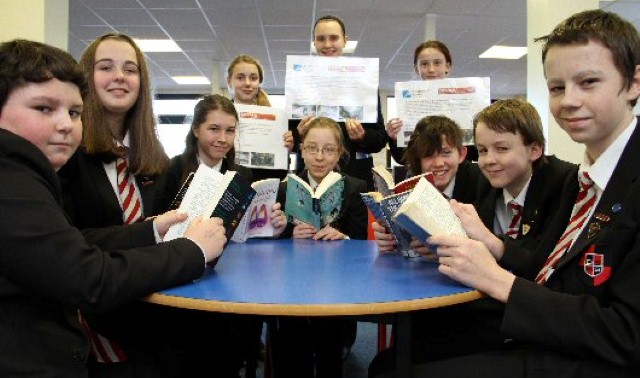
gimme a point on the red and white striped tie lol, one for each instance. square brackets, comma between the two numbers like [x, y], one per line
[131, 205]
[514, 226]
[104, 350]
[584, 202]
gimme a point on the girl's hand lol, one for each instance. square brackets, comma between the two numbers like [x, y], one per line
[288, 140]
[354, 129]
[304, 231]
[278, 220]
[393, 128]
[329, 233]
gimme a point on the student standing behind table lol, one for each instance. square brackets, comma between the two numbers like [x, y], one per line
[571, 305]
[244, 77]
[361, 139]
[431, 60]
[305, 344]
[44, 285]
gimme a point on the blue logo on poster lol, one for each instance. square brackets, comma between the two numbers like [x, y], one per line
[406, 93]
[298, 67]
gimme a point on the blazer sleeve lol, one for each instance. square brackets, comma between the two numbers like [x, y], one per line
[355, 217]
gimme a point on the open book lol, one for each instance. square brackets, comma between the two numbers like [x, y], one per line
[255, 223]
[318, 208]
[383, 209]
[384, 183]
[214, 194]
[427, 212]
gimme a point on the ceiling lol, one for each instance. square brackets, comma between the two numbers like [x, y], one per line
[213, 32]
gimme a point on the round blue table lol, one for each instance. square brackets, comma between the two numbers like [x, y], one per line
[320, 278]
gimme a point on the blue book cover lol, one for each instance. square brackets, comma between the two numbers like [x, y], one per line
[318, 208]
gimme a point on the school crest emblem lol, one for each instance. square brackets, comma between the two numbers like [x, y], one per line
[594, 266]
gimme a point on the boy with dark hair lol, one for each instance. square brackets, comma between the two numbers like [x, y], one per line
[571, 306]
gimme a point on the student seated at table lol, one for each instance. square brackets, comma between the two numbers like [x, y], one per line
[308, 344]
[436, 146]
[571, 305]
[51, 273]
[523, 189]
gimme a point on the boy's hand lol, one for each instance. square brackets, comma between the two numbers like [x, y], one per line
[209, 234]
[393, 128]
[386, 242]
[162, 222]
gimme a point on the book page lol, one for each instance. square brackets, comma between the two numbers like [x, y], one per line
[197, 200]
[259, 142]
[411, 182]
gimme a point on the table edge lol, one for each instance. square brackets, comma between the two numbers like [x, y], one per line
[312, 309]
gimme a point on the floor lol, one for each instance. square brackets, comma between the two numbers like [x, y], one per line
[362, 352]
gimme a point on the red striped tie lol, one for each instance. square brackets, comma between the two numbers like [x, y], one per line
[131, 205]
[104, 350]
[514, 226]
[584, 202]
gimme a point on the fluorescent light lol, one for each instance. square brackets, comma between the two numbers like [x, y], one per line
[191, 80]
[158, 45]
[504, 52]
[349, 48]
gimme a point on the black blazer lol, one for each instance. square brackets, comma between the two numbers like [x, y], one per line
[590, 306]
[375, 139]
[468, 179]
[89, 198]
[171, 182]
[48, 269]
[354, 217]
[541, 204]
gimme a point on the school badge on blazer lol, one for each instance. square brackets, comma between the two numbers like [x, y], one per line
[594, 266]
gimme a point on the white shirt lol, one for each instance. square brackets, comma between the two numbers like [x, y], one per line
[503, 214]
[602, 169]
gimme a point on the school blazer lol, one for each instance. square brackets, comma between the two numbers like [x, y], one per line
[590, 305]
[89, 198]
[48, 269]
[354, 217]
[468, 179]
[541, 204]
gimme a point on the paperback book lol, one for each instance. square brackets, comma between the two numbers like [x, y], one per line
[255, 223]
[318, 208]
[213, 194]
[384, 183]
[427, 212]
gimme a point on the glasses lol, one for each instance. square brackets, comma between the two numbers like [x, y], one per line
[326, 151]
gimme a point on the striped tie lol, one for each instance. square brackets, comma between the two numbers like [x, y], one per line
[131, 206]
[104, 350]
[514, 226]
[584, 202]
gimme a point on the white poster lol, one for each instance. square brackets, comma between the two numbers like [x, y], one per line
[457, 98]
[259, 139]
[334, 87]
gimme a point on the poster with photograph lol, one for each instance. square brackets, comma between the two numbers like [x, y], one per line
[259, 138]
[334, 87]
[457, 98]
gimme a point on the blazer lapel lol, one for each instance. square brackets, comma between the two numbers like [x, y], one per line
[612, 199]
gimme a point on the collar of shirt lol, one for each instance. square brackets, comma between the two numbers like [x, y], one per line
[520, 198]
[312, 183]
[448, 191]
[602, 169]
[217, 167]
